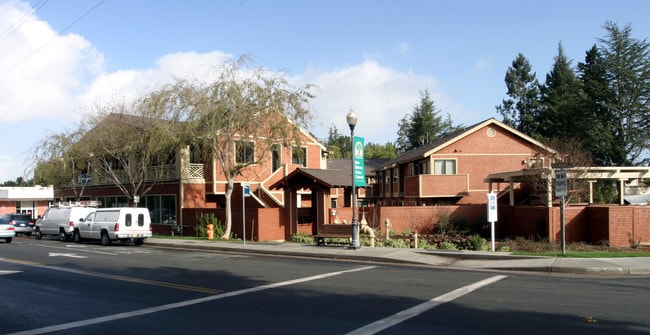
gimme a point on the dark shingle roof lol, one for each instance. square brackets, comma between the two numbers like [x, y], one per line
[308, 178]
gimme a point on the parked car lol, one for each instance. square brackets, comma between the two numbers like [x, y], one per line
[23, 223]
[130, 224]
[7, 231]
[60, 219]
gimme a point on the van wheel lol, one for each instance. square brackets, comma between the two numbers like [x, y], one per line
[62, 236]
[138, 241]
[105, 239]
[76, 236]
[37, 234]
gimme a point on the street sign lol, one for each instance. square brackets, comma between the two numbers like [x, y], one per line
[560, 184]
[247, 189]
[492, 207]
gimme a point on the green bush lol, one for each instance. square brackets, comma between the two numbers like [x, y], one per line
[303, 238]
[203, 222]
[478, 243]
[447, 246]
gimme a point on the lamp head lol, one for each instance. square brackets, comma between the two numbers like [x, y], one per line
[351, 119]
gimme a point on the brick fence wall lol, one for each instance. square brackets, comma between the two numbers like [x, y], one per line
[613, 224]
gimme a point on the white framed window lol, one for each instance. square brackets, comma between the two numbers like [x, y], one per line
[244, 152]
[299, 156]
[444, 166]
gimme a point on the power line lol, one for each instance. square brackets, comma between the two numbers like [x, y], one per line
[22, 20]
[52, 39]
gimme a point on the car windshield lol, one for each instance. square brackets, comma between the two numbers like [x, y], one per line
[3, 221]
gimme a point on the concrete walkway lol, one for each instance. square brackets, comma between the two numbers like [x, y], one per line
[440, 258]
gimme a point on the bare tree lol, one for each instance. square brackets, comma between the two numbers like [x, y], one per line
[235, 120]
[126, 144]
[129, 145]
[55, 162]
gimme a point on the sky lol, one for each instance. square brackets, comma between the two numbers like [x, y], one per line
[60, 57]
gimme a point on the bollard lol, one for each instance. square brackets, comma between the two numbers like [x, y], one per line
[387, 222]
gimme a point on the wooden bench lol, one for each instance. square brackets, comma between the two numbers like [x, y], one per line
[332, 231]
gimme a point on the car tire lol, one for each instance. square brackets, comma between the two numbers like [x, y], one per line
[138, 241]
[37, 234]
[8, 239]
[76, 236]
[105, 239]
[62, 236]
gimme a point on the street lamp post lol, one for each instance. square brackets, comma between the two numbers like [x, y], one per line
[351, 118]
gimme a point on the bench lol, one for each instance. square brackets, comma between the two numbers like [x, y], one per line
[332, 231]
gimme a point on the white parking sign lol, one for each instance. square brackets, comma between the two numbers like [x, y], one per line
[560, 184]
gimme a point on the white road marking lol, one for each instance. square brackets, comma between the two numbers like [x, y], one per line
[406, 314]
[7, 272]
[161, 308]
[59, 254]
[78, 248]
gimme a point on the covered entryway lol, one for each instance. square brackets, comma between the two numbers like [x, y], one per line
[321, 183]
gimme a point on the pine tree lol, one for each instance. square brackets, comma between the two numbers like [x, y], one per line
[521, 109]
[561, 114]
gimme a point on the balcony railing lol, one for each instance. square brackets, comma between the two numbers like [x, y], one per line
[154, 173]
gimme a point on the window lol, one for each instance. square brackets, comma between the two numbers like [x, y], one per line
[424, 167]
[162, 208]
[140, 220]
[276, 159]
[444, 166]
[244, 151]
[127, 219]
[411, 169]
[299, 156]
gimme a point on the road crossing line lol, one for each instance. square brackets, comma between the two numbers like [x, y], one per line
[151, 310]
[406, 314]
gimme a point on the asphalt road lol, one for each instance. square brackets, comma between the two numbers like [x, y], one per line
[64, 288]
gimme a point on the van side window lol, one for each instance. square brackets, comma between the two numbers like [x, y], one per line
[140, 220]
[127, 219]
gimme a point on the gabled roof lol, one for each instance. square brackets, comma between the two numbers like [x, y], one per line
[308, 178]
[432, 147]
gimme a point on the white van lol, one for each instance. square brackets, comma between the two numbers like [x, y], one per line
[131, 224]
[60, 219]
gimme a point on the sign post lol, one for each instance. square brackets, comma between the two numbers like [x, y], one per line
[492, 214]
[561, 192]
[246, 192]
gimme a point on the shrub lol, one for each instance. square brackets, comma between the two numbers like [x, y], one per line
[447, 246]
[478, 242]
[303, 238]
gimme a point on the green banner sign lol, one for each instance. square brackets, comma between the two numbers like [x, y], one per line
[359, 165]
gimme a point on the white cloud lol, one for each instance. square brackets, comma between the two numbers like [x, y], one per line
[379, 95]
[43, 89]
[41, 74]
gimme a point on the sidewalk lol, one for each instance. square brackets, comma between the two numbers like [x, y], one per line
[440, 258]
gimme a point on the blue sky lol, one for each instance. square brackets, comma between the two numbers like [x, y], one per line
[58, 57]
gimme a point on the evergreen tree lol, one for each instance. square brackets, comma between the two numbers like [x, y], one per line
[402, 143]
[561, 114]
[598, 129]
[627, 63]
[521, 109]
[423, 126]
